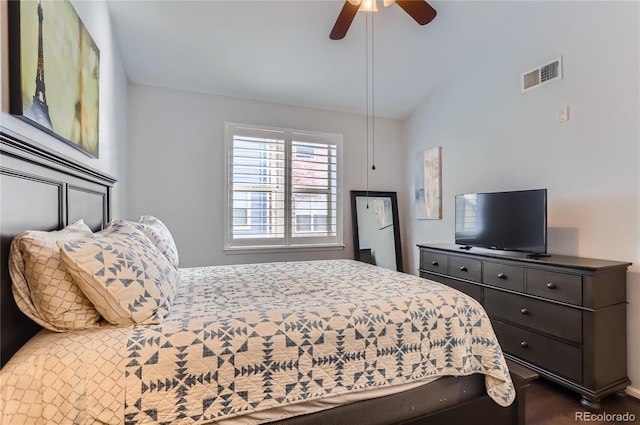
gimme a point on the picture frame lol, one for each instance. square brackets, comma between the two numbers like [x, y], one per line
[382, 208]
[428, 184]
[54, 67]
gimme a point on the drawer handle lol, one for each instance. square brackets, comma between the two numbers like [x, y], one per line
[524, 344]
[502, 276]
[551, 285]
[524, 311]
[463, 269]
[435, 263]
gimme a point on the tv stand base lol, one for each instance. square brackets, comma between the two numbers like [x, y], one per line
[534, 256]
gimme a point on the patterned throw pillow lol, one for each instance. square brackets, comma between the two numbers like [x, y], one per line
[42, 287]
[157, 233]
[125, 276]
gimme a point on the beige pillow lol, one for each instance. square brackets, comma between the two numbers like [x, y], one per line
[157, 233]
[125, 276]
[42, 287]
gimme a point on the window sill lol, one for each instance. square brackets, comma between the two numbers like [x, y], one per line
[275, 249]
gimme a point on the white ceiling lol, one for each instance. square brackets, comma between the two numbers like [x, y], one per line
[280, 51]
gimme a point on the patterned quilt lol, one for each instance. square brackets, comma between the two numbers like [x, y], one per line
[247, 338]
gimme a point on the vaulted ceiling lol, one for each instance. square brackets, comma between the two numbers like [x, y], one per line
[280, 51]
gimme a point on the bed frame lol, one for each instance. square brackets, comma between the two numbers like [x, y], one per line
[41, 189]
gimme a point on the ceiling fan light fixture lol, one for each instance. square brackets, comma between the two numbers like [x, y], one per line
[368, 6]
[419, 10]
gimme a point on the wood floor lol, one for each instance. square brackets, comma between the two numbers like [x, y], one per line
[550, 404]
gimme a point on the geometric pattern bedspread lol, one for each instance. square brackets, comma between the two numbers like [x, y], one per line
[280, 333]
[247, 338]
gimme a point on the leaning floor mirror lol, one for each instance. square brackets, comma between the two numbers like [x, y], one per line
[376, 229]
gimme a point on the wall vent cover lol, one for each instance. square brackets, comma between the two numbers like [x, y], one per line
[541, 75]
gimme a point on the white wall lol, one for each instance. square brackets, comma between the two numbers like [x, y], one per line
[113, 97]
[495, 138]
[176, 165]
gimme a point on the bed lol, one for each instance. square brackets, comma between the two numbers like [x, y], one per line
[297, 343]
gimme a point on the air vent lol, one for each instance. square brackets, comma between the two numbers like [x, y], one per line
[541, 75]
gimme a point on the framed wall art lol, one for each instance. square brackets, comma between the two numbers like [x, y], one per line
[428, 184]
[384, 216]
[54, 67]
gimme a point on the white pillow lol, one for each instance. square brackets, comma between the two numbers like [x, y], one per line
[42, 287]
[157, 233]
[125, 276]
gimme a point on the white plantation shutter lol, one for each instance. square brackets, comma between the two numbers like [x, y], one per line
[283, 188]
[314, 188]
[258, 187]
[467, 213]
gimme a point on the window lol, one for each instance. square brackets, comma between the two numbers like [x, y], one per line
[283, 188]
[467, 213]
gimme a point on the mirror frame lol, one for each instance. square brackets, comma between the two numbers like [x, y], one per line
[396, 222]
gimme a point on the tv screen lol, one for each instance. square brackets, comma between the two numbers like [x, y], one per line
[510, 221]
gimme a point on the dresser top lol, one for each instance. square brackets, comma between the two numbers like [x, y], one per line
[592, 264]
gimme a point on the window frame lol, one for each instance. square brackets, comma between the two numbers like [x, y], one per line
[288, 241]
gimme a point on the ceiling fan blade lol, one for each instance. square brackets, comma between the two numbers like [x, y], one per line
[344, 20]
[419, 10]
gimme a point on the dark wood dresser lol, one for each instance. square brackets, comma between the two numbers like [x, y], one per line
[563, 317]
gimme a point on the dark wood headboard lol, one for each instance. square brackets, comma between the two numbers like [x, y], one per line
[40, 190]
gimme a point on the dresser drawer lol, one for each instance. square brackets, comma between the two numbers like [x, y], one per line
[434, 262]
[554, 319]
[465, 268]
[510, 277]
[556, 286]
[555, 356]
[474, 291]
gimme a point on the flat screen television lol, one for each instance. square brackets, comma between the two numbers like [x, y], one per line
[509, 221]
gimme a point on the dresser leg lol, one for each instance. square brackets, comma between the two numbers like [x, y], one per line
[590, 404]
[620, 394]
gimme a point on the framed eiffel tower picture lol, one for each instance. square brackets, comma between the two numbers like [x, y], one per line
[54, 67]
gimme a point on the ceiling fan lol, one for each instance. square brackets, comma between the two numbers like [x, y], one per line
[419, 10]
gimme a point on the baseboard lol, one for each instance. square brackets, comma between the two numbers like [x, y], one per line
[633, 392]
